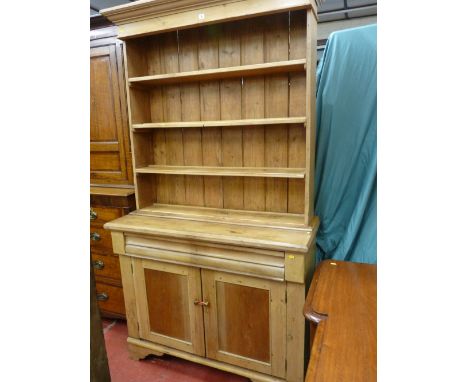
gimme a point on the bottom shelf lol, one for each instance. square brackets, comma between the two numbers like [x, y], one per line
[253, 218]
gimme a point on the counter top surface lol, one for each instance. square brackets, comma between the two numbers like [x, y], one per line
[277, 238]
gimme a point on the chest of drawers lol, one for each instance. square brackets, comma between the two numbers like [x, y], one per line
[108, 204]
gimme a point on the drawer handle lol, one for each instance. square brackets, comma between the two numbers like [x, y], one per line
[102, 296]
[95, 236]
[201, 303]
[92, 214]
[98, 264]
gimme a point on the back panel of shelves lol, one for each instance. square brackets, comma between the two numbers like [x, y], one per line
[164, 157]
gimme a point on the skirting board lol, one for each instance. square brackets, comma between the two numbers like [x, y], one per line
[141, 347]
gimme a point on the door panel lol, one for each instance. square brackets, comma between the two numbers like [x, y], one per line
[165, 302]
[235, 306]
[245, 321]
[108, 119]
[163, 310]
[105, 161]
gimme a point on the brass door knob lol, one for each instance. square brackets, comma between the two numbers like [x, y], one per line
[102, 296]
[98, 264]
[95, 236]
[201, 303]
[92, 214]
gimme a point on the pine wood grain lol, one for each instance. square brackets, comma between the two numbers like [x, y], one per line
[222, 140]
[253, 105]
[190, 99]
[230, 101]
[297, 107]
[267, 172]
[234, 70]
[210, 110]
[276, 105]
[226, 11]
[259, 218]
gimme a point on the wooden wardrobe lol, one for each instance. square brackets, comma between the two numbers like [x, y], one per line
[111, 174]
[217, 257]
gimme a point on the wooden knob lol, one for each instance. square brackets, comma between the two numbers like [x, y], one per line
[201, 303]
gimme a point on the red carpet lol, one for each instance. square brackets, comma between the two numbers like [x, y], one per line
[154, 369]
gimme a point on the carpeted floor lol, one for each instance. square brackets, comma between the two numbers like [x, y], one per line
[154, 369]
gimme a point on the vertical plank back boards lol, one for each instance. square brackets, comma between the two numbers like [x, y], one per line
[265, 39]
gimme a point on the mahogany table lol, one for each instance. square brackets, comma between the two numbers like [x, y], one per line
[341, 307]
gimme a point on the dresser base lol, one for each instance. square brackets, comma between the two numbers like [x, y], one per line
[139, 349]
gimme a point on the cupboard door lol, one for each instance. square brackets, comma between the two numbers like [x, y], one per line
[167, 315]
[245, 321]
[108, 119]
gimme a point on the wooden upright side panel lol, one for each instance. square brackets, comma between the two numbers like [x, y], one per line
[310, 114]
[129, 296]
[253, 106]
[295, 324]
[276, 105]
[297, 108]
[210, 110]
[190, 99]
[126, 50]
[230, 100]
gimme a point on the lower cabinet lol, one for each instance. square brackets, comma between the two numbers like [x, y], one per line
[226, 317]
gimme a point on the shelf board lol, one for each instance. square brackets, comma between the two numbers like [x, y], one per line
[112, 191]
[233, 122]
[221, 73]
[241, 217]
[261, 172]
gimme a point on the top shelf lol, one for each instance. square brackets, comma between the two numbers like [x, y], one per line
[221, 73]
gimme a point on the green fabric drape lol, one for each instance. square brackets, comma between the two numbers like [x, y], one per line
[346, 163]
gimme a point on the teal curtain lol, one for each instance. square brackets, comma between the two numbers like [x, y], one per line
[346, 162]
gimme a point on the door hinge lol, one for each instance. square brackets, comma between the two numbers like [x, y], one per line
[131, 266]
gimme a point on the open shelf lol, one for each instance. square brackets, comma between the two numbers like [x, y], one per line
[261, 172]
[229, 216]
[234, 122]
[221, 73]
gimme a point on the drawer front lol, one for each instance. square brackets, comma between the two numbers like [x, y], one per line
[102, 215]
[101, 239]
[263, 264]
[110, 298]
[106, 265]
